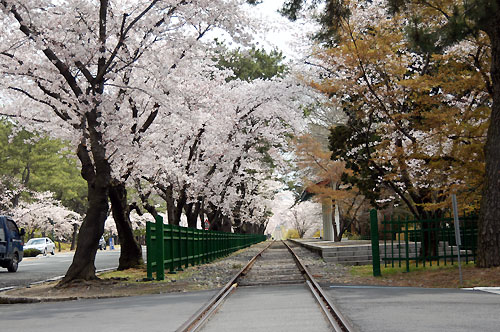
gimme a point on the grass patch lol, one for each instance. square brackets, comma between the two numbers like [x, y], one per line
[442, 276]
[367, 270]
[140, 275]
[129, 275]
[64, 246]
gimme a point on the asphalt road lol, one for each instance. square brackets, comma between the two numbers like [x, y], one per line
[163, 312]
[42, 268]
[281, 308]
[409, 309]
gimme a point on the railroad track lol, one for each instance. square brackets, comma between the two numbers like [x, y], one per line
[277, 264]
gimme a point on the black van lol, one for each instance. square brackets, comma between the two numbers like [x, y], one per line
[11, 244]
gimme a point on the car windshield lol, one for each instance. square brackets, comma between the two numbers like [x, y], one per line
[36, 241]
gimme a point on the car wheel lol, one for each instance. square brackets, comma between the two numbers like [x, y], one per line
[14, 263]
[53, 251]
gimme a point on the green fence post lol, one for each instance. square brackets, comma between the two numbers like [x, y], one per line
[375, 244]
[179, 247]
[160, 250]
[149, 251]
[407, 245]
[172, 250]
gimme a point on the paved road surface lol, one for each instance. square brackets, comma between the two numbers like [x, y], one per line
[369, 308]
[164, 312]
[407, 309]
[269, 308]
[46, 267]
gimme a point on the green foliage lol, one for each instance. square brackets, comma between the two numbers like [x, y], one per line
[291, 8]
[328, 19]
[253, 64]
[42, 164]
[31, 252]
[343, 140]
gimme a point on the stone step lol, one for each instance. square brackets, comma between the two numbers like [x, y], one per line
[348, 258]
[350, 262]
[362, 254]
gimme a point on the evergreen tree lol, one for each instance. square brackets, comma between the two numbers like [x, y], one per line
[253, 64]
[41, 164]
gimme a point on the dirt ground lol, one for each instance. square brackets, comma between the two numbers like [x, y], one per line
[217, 273]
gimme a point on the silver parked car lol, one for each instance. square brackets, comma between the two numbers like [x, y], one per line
[44, 244]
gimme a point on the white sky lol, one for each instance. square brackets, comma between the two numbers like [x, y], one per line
[288, 37]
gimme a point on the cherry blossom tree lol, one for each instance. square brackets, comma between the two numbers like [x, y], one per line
[100, 76]
[305, 217]
[218, 161]
[43, 214]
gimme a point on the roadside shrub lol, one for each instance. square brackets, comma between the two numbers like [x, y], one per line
[31, 252]
[292, 234]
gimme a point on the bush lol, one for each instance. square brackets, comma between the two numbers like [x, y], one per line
[31, 252]
[292, 234]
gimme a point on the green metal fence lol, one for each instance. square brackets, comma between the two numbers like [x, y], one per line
[173, 247]
[422, 242]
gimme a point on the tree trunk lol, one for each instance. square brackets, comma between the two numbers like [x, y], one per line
[262, 228]
[73, 237]
[192, 212]
[214, 218]
[489, 217]
[97, 172]
[171, 208]
[131, 251]
[226, 224]
[92, 228]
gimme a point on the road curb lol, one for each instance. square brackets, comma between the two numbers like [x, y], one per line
[18, 300]
[7, 299]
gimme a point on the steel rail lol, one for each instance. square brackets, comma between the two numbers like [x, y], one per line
[201, 316]
[326, 310]
[339, 322]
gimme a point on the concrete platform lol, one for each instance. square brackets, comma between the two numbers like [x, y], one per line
[348, 252]
[359, 252]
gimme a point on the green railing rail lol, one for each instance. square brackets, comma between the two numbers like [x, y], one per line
[421, 242]
[172, 247]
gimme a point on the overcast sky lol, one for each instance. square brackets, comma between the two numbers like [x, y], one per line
[287, 36]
